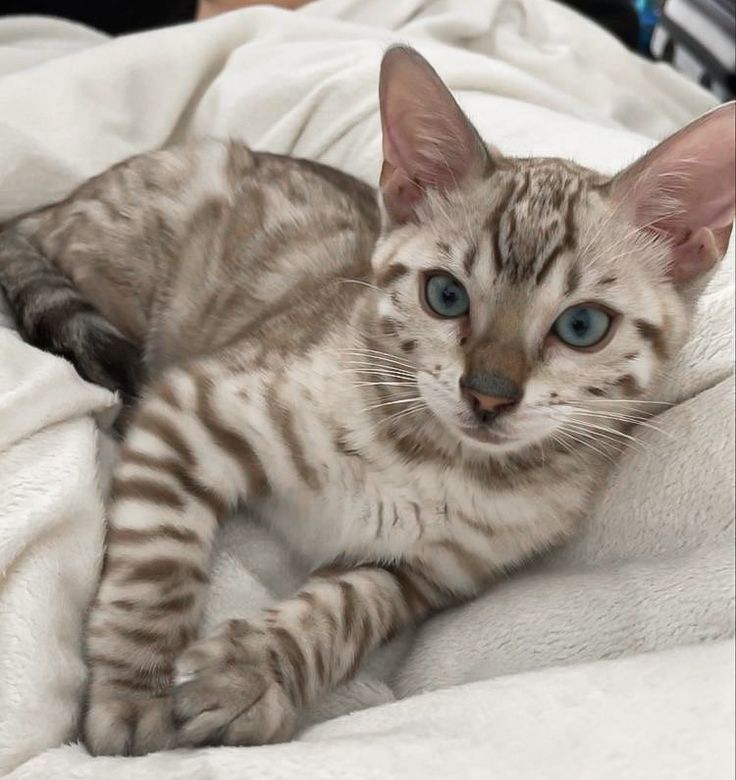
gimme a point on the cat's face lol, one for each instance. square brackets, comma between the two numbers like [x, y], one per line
[527, 300]
[524, 308]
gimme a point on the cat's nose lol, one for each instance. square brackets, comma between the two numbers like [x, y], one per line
[487, 406]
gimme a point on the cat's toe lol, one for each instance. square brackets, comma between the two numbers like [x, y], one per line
[128, 725]
[225, 696]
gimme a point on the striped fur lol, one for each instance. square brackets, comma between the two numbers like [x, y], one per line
[293, 367]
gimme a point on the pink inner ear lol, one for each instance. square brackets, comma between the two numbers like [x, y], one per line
[684, 189]
[428, 143]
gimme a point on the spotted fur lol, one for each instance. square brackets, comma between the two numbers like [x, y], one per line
[292, 367]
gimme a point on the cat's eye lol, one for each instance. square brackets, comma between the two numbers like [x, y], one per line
[445, 296]
[582, 326]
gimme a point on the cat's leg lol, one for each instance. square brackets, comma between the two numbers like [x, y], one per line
[244, 685]
[180, 472]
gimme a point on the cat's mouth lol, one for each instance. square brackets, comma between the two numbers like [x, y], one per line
[485, 434]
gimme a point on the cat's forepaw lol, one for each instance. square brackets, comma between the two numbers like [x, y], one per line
[227, 693]
[128, 725]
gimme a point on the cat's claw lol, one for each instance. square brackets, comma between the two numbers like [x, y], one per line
[226, 694]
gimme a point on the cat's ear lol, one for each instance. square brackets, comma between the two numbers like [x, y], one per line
[428, 143]
[683, 189]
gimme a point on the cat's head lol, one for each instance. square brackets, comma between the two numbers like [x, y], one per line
[533, 298]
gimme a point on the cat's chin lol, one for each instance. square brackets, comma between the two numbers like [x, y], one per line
[484, 435]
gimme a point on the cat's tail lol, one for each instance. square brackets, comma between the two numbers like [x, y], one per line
[52, 314]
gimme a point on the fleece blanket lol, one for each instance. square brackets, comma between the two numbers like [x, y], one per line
[612, 657]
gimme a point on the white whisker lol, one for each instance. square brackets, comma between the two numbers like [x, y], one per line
[360, 282]
[392, 403]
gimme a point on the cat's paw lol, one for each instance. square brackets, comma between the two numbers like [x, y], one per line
[227, 693]
[127, 725]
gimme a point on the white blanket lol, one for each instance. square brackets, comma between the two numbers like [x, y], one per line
[651, 570]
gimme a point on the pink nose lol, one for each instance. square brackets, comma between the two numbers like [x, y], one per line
[486, 403]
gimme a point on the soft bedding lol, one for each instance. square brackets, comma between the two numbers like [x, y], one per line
[613, 656]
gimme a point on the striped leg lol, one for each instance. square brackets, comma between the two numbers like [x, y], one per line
[178, 476]
[244, 685]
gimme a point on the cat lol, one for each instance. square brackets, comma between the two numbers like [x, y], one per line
[419, 389]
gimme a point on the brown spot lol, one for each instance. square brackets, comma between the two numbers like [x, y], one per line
[476, 568]
[141, 636]
[391, 274]
[595, 391]
[476, 525]
[176, 603]
[567, 242]
[136, 536]
[655, 336]
[166, 393]
[139, 685]
[471, 255]
[572, 280]
[607, 280]
[292, 653]
[388, 326]
[162, 569]
[284, 421]
[182, 473]
[205, 495]
[408, 346]
[416, 601]
[307, 597]
[342, 445]
[331, 570]
[236, 445]
[98, 659]
[629, 386]
[351, 610]
[379, 529]
[143, 489]
[320, 666]
[125, 604]
[418, 518]
[444, 248]
[631, 356]
[166, 431]
[492, 224]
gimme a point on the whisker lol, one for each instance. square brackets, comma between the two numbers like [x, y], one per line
[611, 431]
[376, 354]
[602, 435]
[634, 419]
[360, 282]
[633, 401]
[392, 403]
[379, 370]
[585, 443]
[403, 413]
[386, 384]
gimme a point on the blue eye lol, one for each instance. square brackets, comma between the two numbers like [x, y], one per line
[582, 326]
[446, 297]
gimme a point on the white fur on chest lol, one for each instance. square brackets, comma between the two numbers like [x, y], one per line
[366, 514]
[374, 506]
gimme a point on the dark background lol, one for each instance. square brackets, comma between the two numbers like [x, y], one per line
[117, 17]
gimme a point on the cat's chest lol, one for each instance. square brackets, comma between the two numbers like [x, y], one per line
[370, 513]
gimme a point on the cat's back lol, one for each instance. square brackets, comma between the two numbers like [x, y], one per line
[190, 245]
